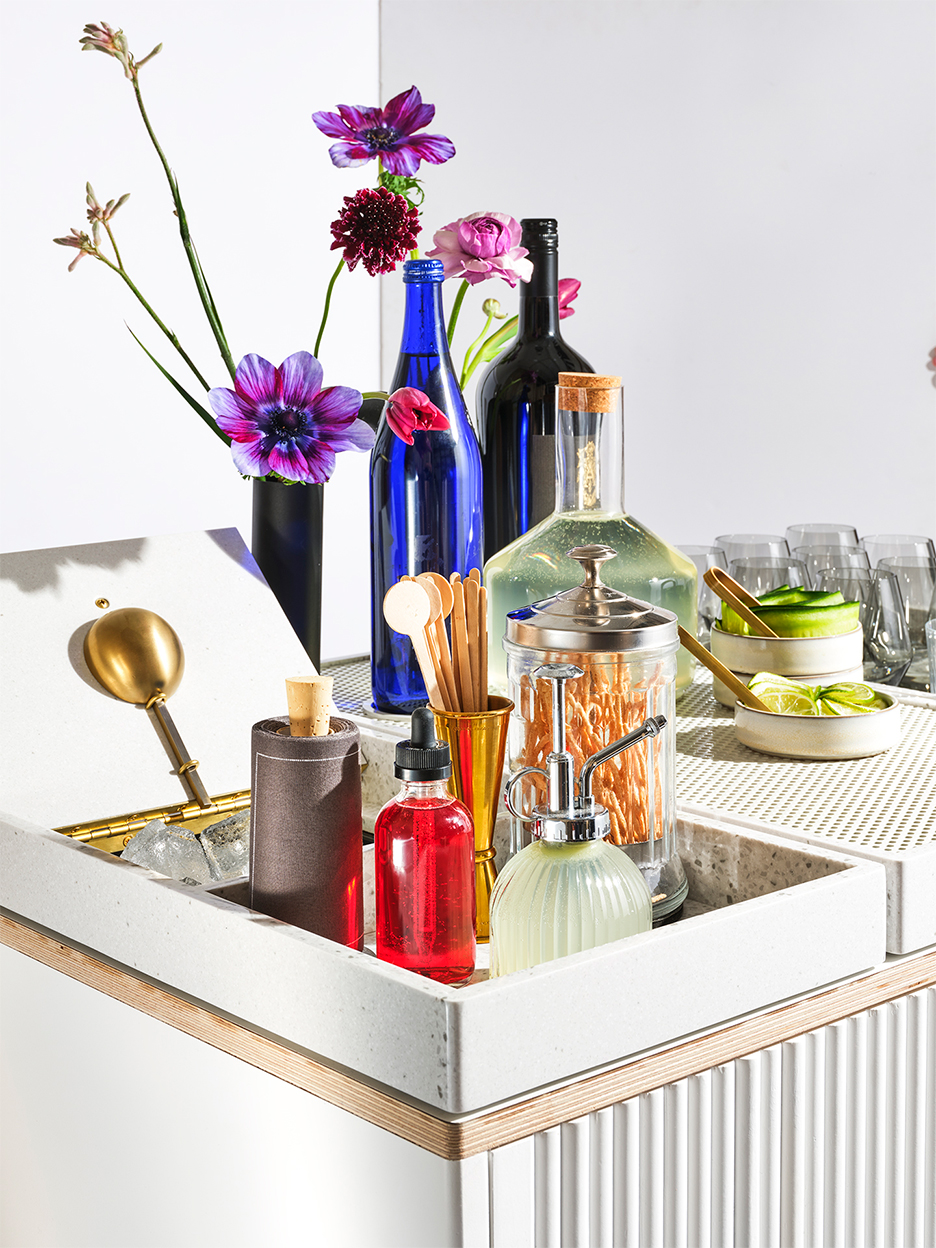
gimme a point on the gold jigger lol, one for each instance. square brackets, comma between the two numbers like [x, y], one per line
[477, 741]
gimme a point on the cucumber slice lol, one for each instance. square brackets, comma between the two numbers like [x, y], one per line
[809, 620]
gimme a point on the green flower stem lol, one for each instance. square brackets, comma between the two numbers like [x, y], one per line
[375, 394]
[456, 308]
[113, 242]
[165, 328]
[328, 295]
[201, 285]
[478, 342]
[490, 348]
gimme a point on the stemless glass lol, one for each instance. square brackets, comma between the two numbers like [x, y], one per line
[817, 558]
[917, 578]
[741, 545]
[887, 648]
[705, 557]
[894, 545]
[821, 535]
[759, 575]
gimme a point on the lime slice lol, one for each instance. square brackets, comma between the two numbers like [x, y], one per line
[848, 698]
[785, 697]
[850, 691]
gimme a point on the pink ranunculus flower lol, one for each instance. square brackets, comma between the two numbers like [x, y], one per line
[409, 409]
[568, 290]
[483, 245]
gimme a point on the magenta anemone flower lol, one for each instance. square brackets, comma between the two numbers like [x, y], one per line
[282, 420]
[568, 290]
[483, 245]
[408, 409]
[377, 227]
[385, 132]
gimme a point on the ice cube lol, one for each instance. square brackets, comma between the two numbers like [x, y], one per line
[171, 851]
[227, 846]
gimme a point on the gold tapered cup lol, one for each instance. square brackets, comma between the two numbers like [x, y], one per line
[477, 741]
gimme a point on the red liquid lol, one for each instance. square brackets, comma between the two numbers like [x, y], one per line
[425, 879]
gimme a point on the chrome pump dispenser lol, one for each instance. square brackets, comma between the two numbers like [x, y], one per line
[569, 889]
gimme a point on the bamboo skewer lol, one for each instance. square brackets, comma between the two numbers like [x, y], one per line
[483, 664]
[460, 649]
[471, 634]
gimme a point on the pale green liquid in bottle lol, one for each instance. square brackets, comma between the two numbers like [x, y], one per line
[553, 899]
[537, 565]
[589, 511]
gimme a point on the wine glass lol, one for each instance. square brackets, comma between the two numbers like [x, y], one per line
[705, 557]
[821, 535]
[895, 545]
[759, 574]
[818, 557]
[742, 545]
[917, 578]
[887, 647]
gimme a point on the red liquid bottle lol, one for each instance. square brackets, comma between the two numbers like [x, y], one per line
[425, 865]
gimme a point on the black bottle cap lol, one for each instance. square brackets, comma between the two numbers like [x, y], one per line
[539, 233]
[423, 757]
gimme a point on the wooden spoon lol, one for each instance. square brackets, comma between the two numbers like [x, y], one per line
[439, 589]
[407, 609]
[737, 597]
[737, 687]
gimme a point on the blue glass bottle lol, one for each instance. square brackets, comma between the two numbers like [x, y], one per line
[425, 499]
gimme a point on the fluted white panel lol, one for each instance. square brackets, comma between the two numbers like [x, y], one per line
[513, 1194]
[699, 1161]
[825, 1141]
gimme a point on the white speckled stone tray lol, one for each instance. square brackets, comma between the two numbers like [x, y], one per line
[772, 918]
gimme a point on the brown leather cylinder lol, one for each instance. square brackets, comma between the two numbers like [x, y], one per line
[306, 843]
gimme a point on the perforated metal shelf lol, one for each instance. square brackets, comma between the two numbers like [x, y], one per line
[885, 803]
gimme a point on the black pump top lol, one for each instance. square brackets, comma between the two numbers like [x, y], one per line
[423, 757]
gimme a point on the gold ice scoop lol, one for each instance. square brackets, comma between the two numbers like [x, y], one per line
[138, 658]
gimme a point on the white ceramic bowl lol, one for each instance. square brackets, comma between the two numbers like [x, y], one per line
[813, 660]
[819, 736]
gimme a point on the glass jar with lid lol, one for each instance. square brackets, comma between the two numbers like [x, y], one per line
[627, 650]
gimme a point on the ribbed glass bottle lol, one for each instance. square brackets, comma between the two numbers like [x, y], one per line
[516, 402]
[425, 499]
[553, 899]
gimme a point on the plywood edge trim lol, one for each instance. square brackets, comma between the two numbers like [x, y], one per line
[457, 1140]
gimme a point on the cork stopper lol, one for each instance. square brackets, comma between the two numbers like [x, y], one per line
[587, 392]
[309, 699]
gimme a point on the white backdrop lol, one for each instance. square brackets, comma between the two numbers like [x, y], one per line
[746, 191]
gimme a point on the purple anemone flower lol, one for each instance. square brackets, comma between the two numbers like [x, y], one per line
[282, 420]
[385, 132]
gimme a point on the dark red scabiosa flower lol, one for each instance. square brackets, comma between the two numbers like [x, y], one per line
[282, 420]
[377, 227]
[387, 133]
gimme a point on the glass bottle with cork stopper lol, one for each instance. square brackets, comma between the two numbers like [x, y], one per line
[589, 511]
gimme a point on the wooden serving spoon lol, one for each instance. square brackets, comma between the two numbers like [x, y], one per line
[407, 609]
[737, 597]
[737, 687]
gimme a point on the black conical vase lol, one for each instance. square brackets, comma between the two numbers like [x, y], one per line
[287, 545]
